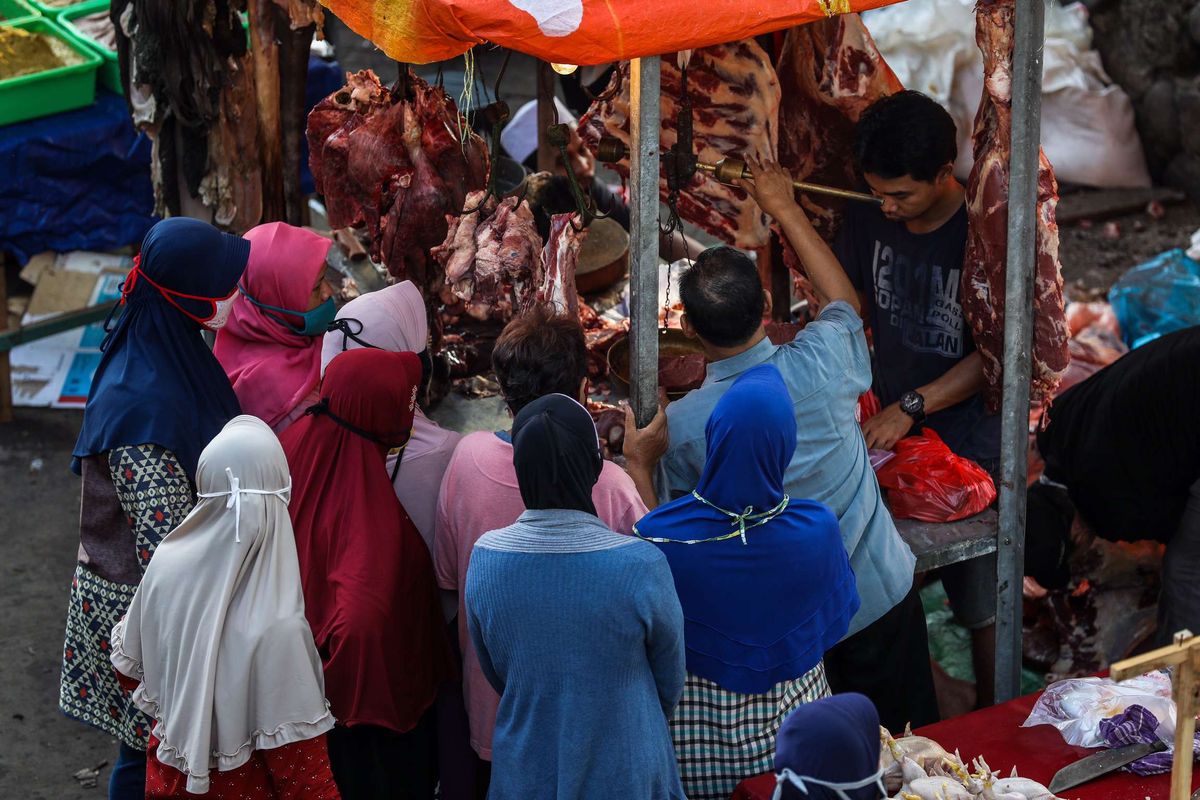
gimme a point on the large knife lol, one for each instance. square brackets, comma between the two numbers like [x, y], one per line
[1098, 764]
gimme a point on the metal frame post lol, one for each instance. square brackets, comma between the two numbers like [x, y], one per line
[1018, 338]
[643, 235]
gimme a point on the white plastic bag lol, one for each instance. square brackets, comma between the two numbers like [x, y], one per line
[1076, 706]
[1088, 129]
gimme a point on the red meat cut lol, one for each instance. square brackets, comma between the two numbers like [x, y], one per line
[681, 373]
[396, 165]
[984, 265]
[735, 102]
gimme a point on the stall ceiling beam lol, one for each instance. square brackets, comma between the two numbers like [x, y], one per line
[643, 236]
[1018, 339]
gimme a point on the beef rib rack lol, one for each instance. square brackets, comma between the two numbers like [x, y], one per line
[735, 109]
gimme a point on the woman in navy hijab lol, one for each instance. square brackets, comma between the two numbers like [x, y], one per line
[158, 396]
[765, 585]
[829, 750]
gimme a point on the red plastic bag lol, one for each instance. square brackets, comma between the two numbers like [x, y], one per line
[928, 482]
[868, 406]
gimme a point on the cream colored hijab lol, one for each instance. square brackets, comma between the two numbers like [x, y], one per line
[216, 632]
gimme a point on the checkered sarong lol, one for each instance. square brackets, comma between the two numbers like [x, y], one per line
[721, 737]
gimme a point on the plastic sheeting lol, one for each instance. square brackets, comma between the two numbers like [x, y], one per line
[573, 31]
[1157, 297]
[74, 181]
[1088, 130]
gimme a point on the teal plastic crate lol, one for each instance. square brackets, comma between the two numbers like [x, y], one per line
[110, 67]
[14, 10]
[47, 10]
[53, 91]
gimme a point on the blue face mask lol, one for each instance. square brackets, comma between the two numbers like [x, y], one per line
[316, 321]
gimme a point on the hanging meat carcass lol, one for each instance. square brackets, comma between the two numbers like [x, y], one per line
[490, 259]
[987, 238]
[735, 105]
[397, 162]
[829, 72]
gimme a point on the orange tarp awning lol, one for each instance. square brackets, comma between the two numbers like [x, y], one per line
[573, 31]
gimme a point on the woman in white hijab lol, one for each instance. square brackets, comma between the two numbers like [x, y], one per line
[394, 319]
[216, 640]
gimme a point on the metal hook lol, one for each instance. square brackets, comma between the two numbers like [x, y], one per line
[500, 77]
[496, 114]
[559, 137]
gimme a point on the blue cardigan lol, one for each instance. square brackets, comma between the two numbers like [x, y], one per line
[580, 631]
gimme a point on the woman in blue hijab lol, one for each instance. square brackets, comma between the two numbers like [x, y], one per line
[158, 396]
[829, 750]
[765, 585]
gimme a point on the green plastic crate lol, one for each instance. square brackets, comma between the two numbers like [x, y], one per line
[110, 67]
[14, 10]
[44, 93]
[48, 10]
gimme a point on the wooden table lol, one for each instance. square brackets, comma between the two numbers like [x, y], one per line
[1038, 753]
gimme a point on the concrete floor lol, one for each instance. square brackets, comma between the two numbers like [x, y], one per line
[40, 749]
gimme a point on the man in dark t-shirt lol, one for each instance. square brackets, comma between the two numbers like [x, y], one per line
[1122, 450]
[905, 257]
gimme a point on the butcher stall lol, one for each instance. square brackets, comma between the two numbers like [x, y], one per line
[639, 118]
[686, 104]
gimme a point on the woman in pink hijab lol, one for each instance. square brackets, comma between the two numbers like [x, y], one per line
[271, 345]
[394, 319]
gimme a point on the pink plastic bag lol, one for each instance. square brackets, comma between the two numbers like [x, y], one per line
[928, 482]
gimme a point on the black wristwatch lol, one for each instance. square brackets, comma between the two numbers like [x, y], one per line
[913, 404]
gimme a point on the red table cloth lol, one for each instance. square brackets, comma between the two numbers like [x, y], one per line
[1038, 753]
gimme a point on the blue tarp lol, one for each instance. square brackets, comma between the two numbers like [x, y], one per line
[74, 181]
[1157, 297]
[81, 180]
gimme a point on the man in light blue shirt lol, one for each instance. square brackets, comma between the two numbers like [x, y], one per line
[825, 368]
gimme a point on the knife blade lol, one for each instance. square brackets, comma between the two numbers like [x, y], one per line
[1091, 767]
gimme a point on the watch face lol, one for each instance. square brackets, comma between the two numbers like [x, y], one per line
[911, 403]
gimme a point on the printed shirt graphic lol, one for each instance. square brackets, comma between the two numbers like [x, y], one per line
[912, 284]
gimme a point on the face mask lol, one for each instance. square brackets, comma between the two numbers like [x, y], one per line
[316, 321]
[802, 782]
[214, 320]
[220, 314]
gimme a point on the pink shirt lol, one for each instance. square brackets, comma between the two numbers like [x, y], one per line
[480, 494]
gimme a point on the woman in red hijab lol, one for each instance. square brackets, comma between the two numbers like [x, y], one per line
[271, 345]
[369, 590]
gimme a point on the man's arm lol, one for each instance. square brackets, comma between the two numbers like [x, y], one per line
[963, 380]
[643, 448]
[771, 187]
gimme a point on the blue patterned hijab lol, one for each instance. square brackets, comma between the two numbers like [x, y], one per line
[157, 382]
[764, 579]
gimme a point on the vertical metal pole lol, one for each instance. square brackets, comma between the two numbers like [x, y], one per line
[1018, 339]
[643, 236]
[545, 116]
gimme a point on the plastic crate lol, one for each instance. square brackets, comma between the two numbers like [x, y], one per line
[49, 10]
[14, 10]
[55, 90]
[110, 67]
